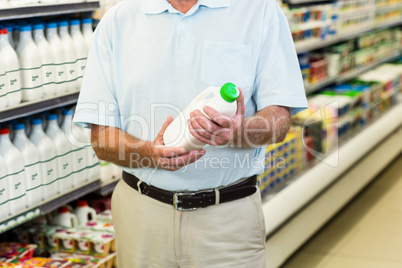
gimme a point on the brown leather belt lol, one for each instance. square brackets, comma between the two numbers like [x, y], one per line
[194, 200]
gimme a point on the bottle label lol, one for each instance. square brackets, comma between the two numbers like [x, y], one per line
[81, 63]
[48, 74]
[71, 71]
[50, 177]
[3, 88]
[16, 190]
[60, 70]
[65, 170]
[31, 82]
[14, 81]
[33, 176]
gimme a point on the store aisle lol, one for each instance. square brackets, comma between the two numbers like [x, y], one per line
[367, 233]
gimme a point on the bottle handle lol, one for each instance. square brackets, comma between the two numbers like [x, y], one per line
[203, 95]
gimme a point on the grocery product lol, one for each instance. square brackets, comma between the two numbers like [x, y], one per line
[33, 168]
[4, 205]
[83, 212]
[87, 31]
[12, 67]
[30, 66]
[59, 57]
[64, 159]
[48, 154]
[221, 99]
[65, 218]
[16, 176]
[3, 85]
[48, 68]
[70, 56]
[77, 140]
[80, 47]
[93, 165]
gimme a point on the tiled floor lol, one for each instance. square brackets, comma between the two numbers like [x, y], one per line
[367, 233]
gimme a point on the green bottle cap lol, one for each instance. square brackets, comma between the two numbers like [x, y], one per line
[229, 92]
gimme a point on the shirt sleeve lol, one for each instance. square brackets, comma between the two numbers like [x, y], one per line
[278, 76]
[97, 102]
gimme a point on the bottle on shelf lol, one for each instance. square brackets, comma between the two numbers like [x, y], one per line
[65, 218]
[80, 47]
[64, 153]
[84, 212]
[87, 31]
[33, 164]
[4, 205]
[223, 100]
[48, 69]
[75, 137]
[70, 56]
[31, 65]
[16, 177]
[59, 57]
[13, 75]
[3, 85]
[48, 155]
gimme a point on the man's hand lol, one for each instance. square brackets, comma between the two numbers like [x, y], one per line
[220, 129]
[172, 158]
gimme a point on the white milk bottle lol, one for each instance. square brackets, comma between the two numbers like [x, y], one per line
[31, 65]
[65, 218]
[16, 178]
[3, 85]
[33, 164]
[75, 137]
[59, 57]
[80, 47]
[10, 59]
[70, 55]
[64, 153]
[93, 164]
[48, 69]
[4, 205]
[221, 99]
[84, 212]
[87, 31]
[48, 155]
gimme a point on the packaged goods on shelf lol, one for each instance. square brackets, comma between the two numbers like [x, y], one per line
[52, 161]
[36, 65]
[12, 253]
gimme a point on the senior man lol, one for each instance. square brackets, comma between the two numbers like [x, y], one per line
[148, 60]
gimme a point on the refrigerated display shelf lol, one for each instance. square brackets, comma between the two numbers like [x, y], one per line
[46, 9]
[322, 84]
[310, 46]
[30, 108]
[297, 2]
[48, 206]
[281, 206]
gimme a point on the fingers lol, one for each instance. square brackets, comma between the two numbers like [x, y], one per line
[220, 119]
[175, 163]
[240, 104]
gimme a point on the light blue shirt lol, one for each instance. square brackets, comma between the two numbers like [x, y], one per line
[149, 61]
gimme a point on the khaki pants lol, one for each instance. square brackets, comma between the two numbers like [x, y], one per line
[150, 233]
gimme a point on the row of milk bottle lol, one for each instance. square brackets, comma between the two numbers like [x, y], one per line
[45, 163]
[42, 60]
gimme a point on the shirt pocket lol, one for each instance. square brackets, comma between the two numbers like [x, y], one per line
[224, 62]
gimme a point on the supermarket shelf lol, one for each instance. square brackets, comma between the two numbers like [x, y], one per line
[49, 205]
[29, 108]
[280, 207]
[108, 186]
[37, 10]
[355, 73]
[317, 44]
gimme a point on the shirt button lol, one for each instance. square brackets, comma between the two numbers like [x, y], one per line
[182, 38]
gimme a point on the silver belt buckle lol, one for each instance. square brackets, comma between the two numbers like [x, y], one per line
[176, 201]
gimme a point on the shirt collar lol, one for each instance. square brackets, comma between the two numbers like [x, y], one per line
[159, 6]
